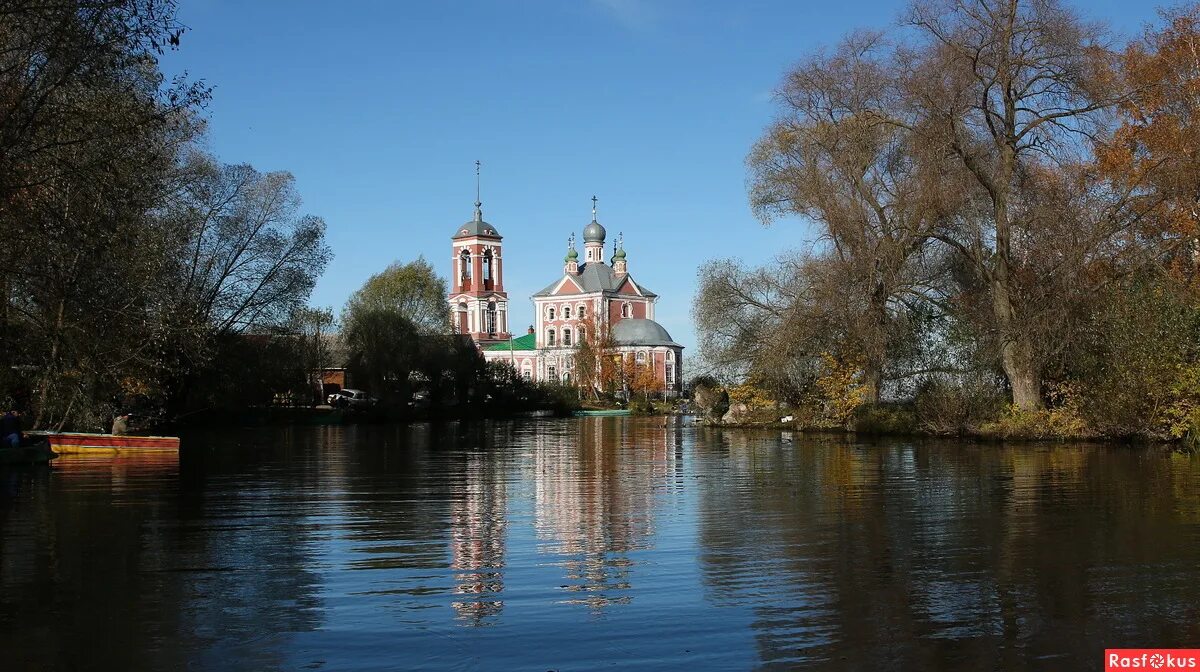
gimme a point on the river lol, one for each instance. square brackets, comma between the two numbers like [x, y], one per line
[596, 543]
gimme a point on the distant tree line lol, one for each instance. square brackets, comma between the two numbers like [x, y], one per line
[138, 270]
[1006, 217]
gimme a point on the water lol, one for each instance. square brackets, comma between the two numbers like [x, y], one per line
[595, 544]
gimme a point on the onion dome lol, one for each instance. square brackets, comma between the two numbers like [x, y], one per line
[594, 233]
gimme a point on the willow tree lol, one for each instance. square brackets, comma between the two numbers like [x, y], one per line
[1010, 91]
[872, 188]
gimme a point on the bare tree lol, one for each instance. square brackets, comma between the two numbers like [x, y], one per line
[1006, 88]
[867, 184]
[247, 258]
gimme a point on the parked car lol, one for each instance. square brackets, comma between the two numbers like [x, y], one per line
[348, 398]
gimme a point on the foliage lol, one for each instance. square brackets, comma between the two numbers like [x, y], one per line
[841, 388]
[1183, 414]
[596, 364]
[139, 270]
[885, 419]
[382, 346]
[711, 399]
[1006, 216]
[411, 290]
[640, 379]
[1062, 419]
[1128, 354]
[946, 405]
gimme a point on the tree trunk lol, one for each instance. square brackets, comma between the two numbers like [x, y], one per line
[875, 348]
[1016, 351]
[872, 381]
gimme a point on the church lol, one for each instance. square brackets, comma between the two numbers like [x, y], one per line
[587, 290]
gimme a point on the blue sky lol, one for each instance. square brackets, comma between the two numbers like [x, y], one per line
[381, 108]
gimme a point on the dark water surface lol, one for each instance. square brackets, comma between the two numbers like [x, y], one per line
[596, 543]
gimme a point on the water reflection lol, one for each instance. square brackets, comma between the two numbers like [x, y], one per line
[595, 490]
[937, 557]
[478, 526]
[576, 544]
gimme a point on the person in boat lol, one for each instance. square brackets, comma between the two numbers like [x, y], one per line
[10, 429]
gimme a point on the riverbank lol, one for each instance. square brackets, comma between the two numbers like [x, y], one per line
[904, 421]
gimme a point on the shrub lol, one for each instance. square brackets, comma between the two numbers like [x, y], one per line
[711, 399]
[956, 406]
[1063, 420]
[641, 406]
[885, 419]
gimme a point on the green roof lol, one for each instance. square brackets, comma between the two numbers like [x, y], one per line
[526, 342]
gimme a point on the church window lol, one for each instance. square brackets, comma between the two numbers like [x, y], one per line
[488, 276]
[670, 374]
[582, 312]
[566, 336]
[550, 337]
[582, 334]
[464, 260]
[670, 355]
[551, 312]
[552, 372]
[566, 312]
[491, 317]
[626, 310]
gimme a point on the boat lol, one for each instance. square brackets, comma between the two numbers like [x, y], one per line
[601, 413]
[34, 452]
[76, 442]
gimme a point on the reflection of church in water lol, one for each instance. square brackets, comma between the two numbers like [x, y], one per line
[596, 499]
[595, 489]
[589, 291]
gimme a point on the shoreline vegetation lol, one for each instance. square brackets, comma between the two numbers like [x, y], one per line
[1004, 206]
[954, 419]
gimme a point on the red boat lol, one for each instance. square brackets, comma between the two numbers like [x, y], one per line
[72, 442]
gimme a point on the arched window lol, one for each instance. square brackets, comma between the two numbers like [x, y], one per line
[670, 355]
[551, 312]
[641, 358]
[566, 336]
[550, 337]
[566, 312]
[552, 372]
[464, 264]
[462, 323]
[582, 334]
[488, 276]
[626, 310]
[491, 317]
[582, 312]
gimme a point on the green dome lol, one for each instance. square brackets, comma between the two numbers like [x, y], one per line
[572, 255]
[620, 255]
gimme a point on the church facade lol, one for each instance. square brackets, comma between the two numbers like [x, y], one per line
[587, 291]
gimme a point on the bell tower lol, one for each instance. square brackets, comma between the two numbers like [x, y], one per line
[478, 302]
